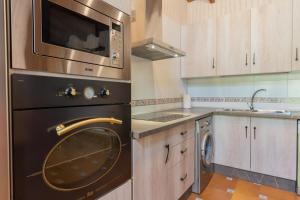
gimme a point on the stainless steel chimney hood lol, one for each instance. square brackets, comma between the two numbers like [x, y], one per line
[153, 49]
[148, 30]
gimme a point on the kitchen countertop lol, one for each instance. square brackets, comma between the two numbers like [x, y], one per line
[143, 128]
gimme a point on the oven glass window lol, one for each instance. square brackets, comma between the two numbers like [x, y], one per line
[81, 159]
[68, 29]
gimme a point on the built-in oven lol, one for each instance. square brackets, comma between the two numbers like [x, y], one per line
[83, 37]
[71, 139]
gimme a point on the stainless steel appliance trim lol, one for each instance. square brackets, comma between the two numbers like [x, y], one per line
[22, 50]
[45, 49]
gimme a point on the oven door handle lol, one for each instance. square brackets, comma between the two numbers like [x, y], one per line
[61, 129]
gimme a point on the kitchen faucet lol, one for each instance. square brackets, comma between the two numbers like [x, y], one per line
[253, 96]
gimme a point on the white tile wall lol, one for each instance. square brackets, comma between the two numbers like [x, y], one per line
[278, 86]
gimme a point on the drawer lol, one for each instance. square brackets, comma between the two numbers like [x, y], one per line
[180, 133]
[180, 178]
[181, 151]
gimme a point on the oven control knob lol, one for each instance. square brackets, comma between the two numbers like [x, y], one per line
[104, 92]
[70, 92]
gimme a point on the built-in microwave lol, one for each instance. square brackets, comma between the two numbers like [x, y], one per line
[82, 37]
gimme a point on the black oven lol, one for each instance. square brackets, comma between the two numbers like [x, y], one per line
[70, 139]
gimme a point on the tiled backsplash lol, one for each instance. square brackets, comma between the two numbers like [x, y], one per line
[283, 91]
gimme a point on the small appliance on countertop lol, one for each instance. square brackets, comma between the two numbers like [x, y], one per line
[71, 138]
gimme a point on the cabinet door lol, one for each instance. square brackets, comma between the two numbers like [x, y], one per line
[232, 141]
[149, 168]
[199, 43]
[271, 37]
[121, 193]
[123, 5]
[296, 35]
[233, 43]
[274, 147]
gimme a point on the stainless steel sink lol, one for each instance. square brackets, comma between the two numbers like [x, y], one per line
[258, 111]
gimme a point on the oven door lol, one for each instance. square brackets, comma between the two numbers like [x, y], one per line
[70, 153]
[70, 30]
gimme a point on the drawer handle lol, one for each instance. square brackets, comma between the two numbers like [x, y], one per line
[168, 151]
[183, 133]
[183, 151]
[183, 178]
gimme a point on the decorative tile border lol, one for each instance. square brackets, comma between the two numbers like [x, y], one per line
[149, 102]
[245, 100]
[256, 178]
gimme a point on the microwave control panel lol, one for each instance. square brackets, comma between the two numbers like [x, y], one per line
[117, 45]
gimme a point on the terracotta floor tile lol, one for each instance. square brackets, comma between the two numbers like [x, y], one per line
[247, 188]
[221, 182]
[215, 194]
[243, 190]
[277, 194]
[240, 196]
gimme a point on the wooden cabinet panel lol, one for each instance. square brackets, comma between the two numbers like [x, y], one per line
[181, 177]
[149, 168]
[180, 133]
[232, 141]
[271, 37]
[274, 147]
[199, 43]
[154, 167]
[233, 43]
[121, 193]
[181, 151]
[296, 35]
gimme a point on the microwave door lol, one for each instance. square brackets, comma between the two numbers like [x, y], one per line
[72, 31]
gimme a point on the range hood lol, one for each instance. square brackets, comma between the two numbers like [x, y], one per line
[148, 32]
[153, 49]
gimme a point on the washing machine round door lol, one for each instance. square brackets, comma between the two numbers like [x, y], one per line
[207, 149]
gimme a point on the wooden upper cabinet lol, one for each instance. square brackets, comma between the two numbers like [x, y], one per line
[199, 43]
[296, 35]
[271, 37]
[233, 43]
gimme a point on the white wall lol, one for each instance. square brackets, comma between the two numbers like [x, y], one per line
[282, 87]
[156, 80]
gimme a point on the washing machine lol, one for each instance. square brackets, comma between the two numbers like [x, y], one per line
[204, 152]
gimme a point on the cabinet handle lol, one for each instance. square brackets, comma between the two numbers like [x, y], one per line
[213, 66]
[254, 132]
[254, 60]
[183, 178]
[183, 151]
[246, 59]
[183, 133]
[168, 151]
[297, 56]
[246, 128]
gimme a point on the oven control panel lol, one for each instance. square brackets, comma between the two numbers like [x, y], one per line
[65, 92]
[116, 45]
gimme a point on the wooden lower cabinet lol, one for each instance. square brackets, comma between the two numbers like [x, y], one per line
[163, 164]
[121, 193]
[262, 145]
[274, 147]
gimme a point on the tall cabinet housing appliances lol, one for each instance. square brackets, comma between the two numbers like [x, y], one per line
[70, 138]
[81, 37]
